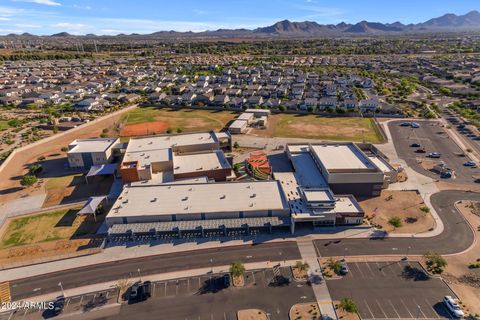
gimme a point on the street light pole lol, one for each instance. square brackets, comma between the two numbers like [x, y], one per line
[406, 255]
[344, 254]
[139, 275]
[61, 287]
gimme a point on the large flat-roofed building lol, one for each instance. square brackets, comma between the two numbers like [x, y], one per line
[343, 166]
[85, 153]
[198, 201]
[185, 155]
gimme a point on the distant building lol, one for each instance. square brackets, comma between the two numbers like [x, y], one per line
[84, 153]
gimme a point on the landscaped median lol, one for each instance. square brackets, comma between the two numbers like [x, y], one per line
[305, 311]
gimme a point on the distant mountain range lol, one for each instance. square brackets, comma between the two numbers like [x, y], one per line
[285, 29]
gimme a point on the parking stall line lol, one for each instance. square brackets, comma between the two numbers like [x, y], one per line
[360, 271]
[370, 269]
[379, 267]
[381, 309]
[394, 309]
[368, 308]
[430, 308]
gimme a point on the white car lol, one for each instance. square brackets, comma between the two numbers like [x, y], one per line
[453, 307]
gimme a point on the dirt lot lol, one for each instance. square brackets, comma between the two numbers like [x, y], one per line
[185, 120]
[323, 128]
[465, 281]
[403, 204]
[252, 314]
[144, 129]
[305, 311]
[10, 187]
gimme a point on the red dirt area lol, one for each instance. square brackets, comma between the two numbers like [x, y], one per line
[144, 129]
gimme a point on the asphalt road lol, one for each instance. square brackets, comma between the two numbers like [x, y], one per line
[433, 138]
[456, 237]
[111, 271]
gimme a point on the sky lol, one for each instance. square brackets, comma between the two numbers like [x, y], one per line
[108, 17]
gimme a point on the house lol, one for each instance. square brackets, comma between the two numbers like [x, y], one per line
[309, 103]
[221, 100]
[203, 99]
[272, 103]
[327, 103]
[349, 104]
[89, 104]
[368, 105]
[236, 102]
[254, 101]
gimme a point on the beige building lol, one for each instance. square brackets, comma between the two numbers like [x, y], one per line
[84, 153]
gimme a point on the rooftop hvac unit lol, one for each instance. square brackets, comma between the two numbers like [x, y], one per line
[185, 199]
[253, 195]
[223, 196]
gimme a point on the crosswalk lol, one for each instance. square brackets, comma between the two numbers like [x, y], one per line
[5, 292]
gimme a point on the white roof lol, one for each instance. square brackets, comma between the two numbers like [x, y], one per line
[168, 141]
[149, 156]
[381, 164]
[238, 124]
[318, 195]
[91, 145]
[245, 116]
[341, 156]
[200, 162]
[171, 199]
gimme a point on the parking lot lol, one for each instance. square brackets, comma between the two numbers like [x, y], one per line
[463, 129]
[433, 138]
[206, 297]
[73, 305]
[392, 290]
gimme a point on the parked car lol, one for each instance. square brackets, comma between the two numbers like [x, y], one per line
[405, 124]
[138, 292]
[58, 305]
[226, 280]
[421, 150]
[435, 155]
[446, 175]
[470, 164]
[415, 125]
[415, 145]
[343, 268]
[147, 289]
[453, 307]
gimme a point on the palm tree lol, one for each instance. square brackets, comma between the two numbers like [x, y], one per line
[237, 269]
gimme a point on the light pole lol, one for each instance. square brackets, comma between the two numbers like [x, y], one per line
[344, 254]
[211, 265]
[61, 288]
[139, 275]
[406, 255]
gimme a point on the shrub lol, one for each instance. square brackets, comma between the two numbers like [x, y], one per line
[302, 266]
[395, 222]
[28, 180]
[335, 265]
[348, 305]
[435, 262]
[179, 130]
[425, 209]
[236, 145]
[169, 130]
[35, 169]
[64, 149]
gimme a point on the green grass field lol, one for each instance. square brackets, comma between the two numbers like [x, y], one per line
[323, 128]
[186, 120]
[4, 125]
[61, 182]
[49, 226]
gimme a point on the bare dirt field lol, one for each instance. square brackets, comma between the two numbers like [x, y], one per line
[305, 311]
[10, 175]
[144, 129]
[403, 204]
[323, 128]
[466, 281]
[252, 314]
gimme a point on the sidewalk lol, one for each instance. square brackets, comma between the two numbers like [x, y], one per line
[324, 301]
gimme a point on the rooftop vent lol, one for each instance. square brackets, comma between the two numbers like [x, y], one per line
[154, 200]
[185, 199]
[251, 204]
[223, 196]
[253, 195]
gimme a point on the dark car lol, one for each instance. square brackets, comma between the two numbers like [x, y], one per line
[343, 268]
[422, 150]
[58, 305]
[226, 280]
[136, 293]
[147, 289]
[415, 145]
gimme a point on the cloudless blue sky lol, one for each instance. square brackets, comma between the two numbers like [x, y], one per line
[145, 16]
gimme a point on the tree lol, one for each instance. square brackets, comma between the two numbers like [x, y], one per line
[236, 145]
[435, 262]
[28, 180]
[236, 167]
[302, 266]
[35, 169]
[348, 305]
[335, 265]
[282, 108]
[169, 130]
[237, 269]
[395, 222]
[179, 130]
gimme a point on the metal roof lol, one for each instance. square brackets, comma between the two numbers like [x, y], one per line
[192, 225]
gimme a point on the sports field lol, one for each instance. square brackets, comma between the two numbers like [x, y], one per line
[322, 128]
[49, 226]
[175, 120]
